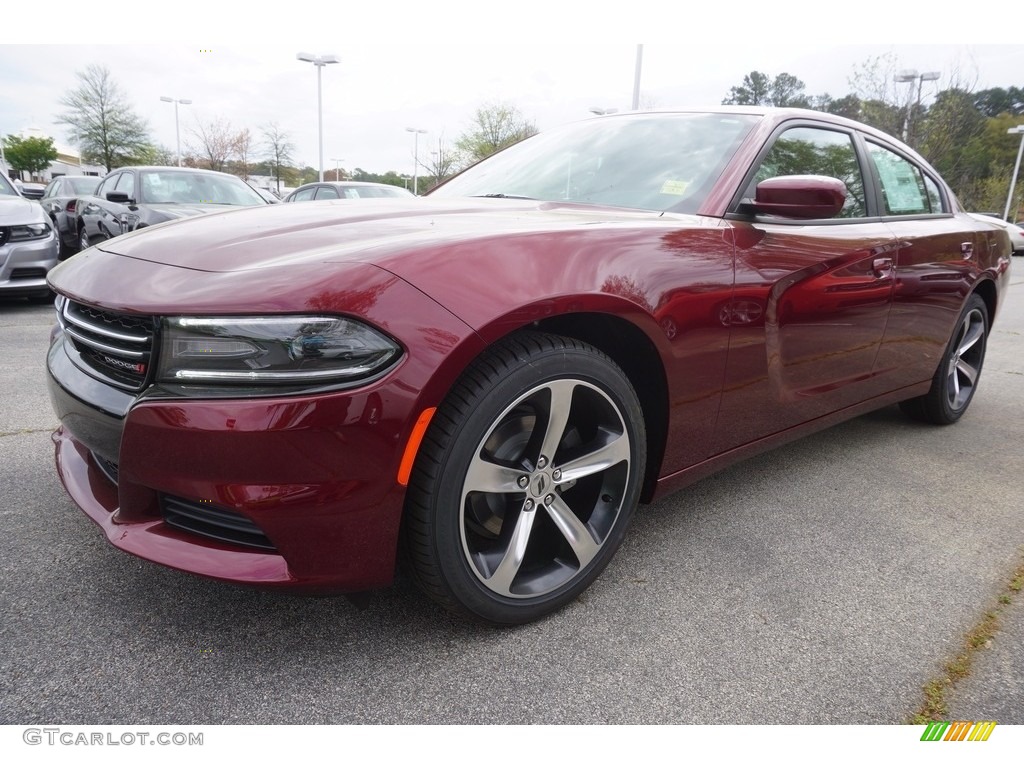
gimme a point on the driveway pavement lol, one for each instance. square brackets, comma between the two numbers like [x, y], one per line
[823, 582]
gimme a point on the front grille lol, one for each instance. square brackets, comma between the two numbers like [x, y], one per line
[213, 522]
[118, 347]
[5, 232]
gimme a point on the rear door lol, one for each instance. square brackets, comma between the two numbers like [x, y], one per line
[936, 262]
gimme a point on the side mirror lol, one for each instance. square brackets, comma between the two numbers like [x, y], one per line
[119, 197]
[800, 197]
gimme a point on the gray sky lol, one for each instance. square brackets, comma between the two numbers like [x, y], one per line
[429, 65]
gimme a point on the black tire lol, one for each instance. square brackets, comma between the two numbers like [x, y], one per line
[499, 531]
[65, 251]
[83, 239]
[957, 377]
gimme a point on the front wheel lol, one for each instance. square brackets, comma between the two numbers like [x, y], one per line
[956, 379]
[526, 480]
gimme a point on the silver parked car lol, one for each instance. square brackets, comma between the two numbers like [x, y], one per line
[1015, 231]
[28, 245]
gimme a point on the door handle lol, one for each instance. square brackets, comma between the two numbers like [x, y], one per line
[967, 249]
[882, 266]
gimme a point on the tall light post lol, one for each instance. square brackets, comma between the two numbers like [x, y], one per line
[337, 171]
[319, 62]
[636, 77]
[909, 76]
[416, 157]
[1016, 168]
[177, 131]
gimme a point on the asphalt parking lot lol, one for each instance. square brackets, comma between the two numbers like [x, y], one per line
[824, 582]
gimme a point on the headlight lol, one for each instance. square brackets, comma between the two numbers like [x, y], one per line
[29, 231]
[261, 351]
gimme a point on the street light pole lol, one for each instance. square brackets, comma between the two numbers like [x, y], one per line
[319, 62]
[636, 77]
[337, 172]
[1016, 169]
[416, 157]
[909, 76]
[177, 131]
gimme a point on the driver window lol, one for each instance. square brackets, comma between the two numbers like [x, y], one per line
[126, 184]
[816, 152]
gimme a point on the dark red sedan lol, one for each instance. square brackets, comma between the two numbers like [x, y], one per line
[488, 380]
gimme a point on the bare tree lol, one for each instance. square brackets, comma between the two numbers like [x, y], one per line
[100, 121]
[278, 148]
[444, 162]
[215, 143]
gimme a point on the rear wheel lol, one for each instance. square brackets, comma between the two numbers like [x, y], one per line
[526, 480]
[83, 239]
[956, 379]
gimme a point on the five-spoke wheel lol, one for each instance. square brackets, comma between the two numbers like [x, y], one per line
[526, 481]
[956, 379]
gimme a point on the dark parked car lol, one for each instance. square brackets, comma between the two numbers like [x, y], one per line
[345, 190]
[59, 201]
[28, 245]
[501, 370]
[136, 197]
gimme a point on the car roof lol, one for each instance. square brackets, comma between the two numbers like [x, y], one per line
[347, 184]
[170, 168]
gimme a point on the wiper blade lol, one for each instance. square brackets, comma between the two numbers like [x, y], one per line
[507, 197]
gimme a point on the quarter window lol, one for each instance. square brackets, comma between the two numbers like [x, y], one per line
[906, 191]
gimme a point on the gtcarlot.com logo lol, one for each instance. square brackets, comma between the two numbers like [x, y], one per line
[958, 730]
[71, 738]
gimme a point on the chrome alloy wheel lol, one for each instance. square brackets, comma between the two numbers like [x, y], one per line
[544, 488]
[965, 360]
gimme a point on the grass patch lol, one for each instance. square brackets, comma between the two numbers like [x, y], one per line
[936, 690]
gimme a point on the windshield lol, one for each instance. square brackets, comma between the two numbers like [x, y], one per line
[196, 188]
[652, 161]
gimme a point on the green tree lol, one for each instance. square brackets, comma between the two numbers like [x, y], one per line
[32, 155]
[993, 102]
[952, 135]
[758, 89]
[495, 126]
[101, 122]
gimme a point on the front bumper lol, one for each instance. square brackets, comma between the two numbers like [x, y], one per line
[23, 266]
[313, 475]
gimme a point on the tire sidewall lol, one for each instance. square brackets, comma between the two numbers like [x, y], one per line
[499, 392]
[947, 412]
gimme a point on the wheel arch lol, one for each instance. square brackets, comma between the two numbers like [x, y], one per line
[621, 338]
[986, 289]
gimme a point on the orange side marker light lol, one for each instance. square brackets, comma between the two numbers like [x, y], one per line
[413, 446]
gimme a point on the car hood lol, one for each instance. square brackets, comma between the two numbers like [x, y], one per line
[18, 210]
[172, 211]
[374, 232]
